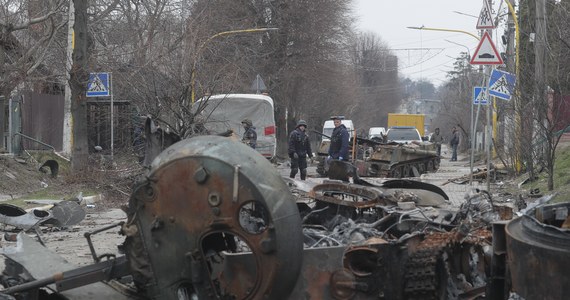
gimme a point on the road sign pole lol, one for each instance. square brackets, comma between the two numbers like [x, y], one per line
[473, 140]
[472, 132]
[112, 115]
[488, 133]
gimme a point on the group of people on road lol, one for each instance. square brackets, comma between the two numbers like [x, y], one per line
[438, 139]
[299, 146]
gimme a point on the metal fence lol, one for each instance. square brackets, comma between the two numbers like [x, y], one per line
[40, 117]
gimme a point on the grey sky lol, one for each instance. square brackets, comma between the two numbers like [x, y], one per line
[389, 20]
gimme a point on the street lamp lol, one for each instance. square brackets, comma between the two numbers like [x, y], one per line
[443, 29]
[466, 48]
[219, 34]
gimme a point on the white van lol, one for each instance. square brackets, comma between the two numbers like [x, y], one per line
[329, 127]
[376, 132]
[226, 111]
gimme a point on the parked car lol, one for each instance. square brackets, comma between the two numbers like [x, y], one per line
[376, 133]
[403, 134]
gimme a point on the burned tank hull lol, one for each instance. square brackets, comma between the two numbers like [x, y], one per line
[399, 160]
[388, 160]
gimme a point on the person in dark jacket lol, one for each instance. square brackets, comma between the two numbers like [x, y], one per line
[454, 142]
[299, 149]
[437, 139]
[249, 136]
[339, 141]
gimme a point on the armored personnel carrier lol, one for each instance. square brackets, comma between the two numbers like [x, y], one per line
[399, 160]
[395, 160]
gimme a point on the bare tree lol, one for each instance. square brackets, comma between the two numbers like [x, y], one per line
[553, 115]
[377, 71]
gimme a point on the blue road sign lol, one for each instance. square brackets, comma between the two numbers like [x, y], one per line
[502, 84]
[480, 95]
[98, 85]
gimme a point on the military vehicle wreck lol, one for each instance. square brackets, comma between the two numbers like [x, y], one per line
[214, 220]
[394, 160]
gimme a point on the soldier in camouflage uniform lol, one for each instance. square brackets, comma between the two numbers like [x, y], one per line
[299, 149]
[249, 136]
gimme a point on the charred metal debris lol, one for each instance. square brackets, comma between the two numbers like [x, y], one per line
[207, 224]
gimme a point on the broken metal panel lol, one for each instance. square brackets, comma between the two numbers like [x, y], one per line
[414, 185]
[19, 218]
[390, 192]
[355, 195]
[66, 213]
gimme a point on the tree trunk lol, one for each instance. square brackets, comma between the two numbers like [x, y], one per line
[3, 92]
[78, 84]
[2, 120]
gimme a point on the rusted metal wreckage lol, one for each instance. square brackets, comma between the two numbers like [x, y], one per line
[214, 220]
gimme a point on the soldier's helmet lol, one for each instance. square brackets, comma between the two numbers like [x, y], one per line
[247, 122]
[301, 123]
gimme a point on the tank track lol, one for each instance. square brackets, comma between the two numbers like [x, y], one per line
[425, 268]
[428, 274]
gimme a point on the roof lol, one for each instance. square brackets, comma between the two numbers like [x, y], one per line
[239, 96]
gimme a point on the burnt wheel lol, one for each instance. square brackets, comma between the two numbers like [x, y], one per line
[430, 166]
[396, 172]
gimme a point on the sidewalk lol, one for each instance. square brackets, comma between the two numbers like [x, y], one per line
[449, 170]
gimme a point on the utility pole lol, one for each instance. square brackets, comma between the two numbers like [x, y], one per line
[67, 119]
[509, 139]
[514, 139]
[489, 127]
[4, 93]
[511, 42]
[78, 83]
[540, 101]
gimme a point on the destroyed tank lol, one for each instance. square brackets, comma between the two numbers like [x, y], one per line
[394, 160]
[398, 160]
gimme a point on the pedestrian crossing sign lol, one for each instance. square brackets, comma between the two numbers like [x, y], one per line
[485, 20]
[480, 95]
[502, 84]
[98, 85]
